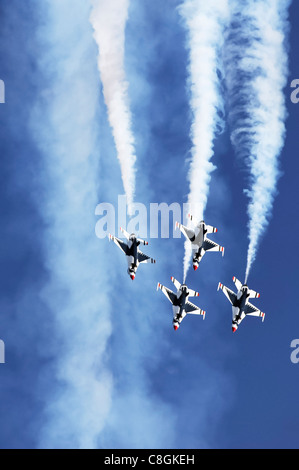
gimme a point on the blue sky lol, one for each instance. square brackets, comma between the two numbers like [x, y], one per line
[91, 358]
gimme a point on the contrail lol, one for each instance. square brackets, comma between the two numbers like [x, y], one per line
[256, 70]
[109, 20]
[205, 22]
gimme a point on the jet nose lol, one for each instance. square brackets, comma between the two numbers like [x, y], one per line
[175, 327]
[234, 328]
[132, 276]
[195, 266]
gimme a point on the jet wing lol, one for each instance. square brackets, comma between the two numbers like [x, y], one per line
[168, 293]
[192, 309]
[253, 311]
[232, 297]
[208, 245]
[123, 246]
[142, 258]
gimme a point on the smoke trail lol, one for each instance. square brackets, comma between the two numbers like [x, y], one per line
[205, 22]
[109, 20]
[256, 73]
[78, 385]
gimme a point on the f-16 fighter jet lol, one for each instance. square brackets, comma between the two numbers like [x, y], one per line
[197, 237]
[132, 252]
[240, 305]
[181, 306]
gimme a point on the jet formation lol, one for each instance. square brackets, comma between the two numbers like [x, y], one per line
[200, 244]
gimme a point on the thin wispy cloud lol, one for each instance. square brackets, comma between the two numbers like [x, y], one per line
[256, 69]
[78, 386]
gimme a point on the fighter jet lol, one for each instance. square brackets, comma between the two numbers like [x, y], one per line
[240, 305]
[197, 237]
[181, 306]
[132, 252]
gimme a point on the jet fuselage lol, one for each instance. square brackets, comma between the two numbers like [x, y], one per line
[238, 307]
[179, 305]
[132, 254]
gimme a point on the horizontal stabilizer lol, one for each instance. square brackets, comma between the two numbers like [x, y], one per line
[142, 242]
[193, 293]
[187, 232]
[253, 294]
[211, 229]
[237, 283]
[176, 283]
[126, 234]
